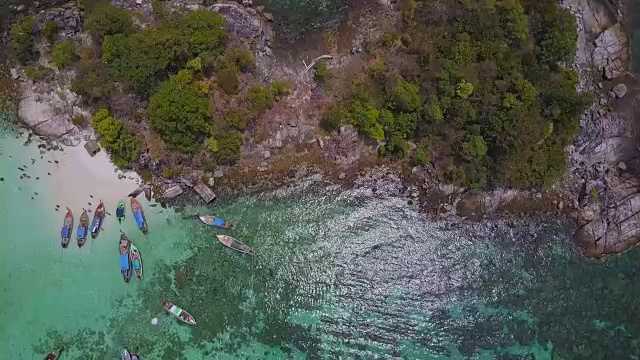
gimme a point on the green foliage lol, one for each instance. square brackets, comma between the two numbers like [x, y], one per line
[179, 112]
[557, 36]
[116, 138]
[333, 117]
[474, 148]
[229, 144]
[321, 72]
[421, 157]
[194, 65]
[63, 54]
[237, 118]
[205, 32]
[92, 82]
[593, 193]
[50, 31]
[408, 8]
[464, 89]
[22, 39]
[80, 121]
[280, 88]
[228, 80]
[171, 172]
[515, 20]
[105, 19]
[260, 98]
[434, 112]
[406, 96]
[365, 118]
[241, 58]
[38, 72]
[212, 145]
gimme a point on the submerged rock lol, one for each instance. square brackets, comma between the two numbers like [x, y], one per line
[173, 191]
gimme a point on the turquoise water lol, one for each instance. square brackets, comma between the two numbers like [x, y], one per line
[336, 273]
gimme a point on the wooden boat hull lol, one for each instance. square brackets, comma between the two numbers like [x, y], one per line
[179, 313]
[136, 264]
[125, 260]
[215, 222]
[54, 355]
[83, 229]
[138, 215]
[234, 244]
[126, 355]
[98, 219]
[67, 229]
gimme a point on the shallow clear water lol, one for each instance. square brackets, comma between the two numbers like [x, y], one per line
[336, 272]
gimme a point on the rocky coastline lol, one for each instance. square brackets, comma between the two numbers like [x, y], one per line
[599, 192]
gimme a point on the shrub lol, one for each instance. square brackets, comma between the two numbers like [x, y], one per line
[22, 38]
[321, 72]
[333, 118]
[434, 112]
[421, 157]
[228, 80]
[194, 65]
[37, 73]
[464, 89]
[206, 32]
[365, 118]
[62, 54]
[212, 145]
[237, 118]
[241, 58]
[229, 145]
[106, 19]
[280, 88]
[260, 99]
[50, 31]
[92, 82]
[406, 96]
[171, 172]
[475, 147]
[116, 138]
[179, 112]
[80, 121]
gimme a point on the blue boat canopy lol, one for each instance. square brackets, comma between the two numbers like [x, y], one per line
[218, 222]
[65, 232]
[82, 232]
[124, 261]
[119, 212]
[139, 219]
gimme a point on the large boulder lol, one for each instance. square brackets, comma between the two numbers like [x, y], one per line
[612, 52]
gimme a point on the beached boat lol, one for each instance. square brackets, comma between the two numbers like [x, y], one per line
[181, 314]
[120, 210]
[234, 244]
[215, 221]
[136, 261]
[83, 229]
[125, 262]
[138, 215]
[134, 356]
[126, 355]
[67, 229]
[98, 219]
[54, 355]
[147, 193]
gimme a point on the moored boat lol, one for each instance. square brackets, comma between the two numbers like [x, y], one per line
[54, 355]
[67, 229]
[83, 228]
[126, 355]
[136, 261]
[215, 221]
[234, 244]
[120, 211]
[138, 215]
[181, 314]
[98, 218]
[125, 262]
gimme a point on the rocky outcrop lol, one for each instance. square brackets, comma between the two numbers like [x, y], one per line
[611, 55]
[245, 23]
[67, 18]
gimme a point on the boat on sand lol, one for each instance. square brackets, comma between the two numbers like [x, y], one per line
[136, 261]
[215, 221]
[54, 355]
[98, 219]
[138, 215]
[83, 228]
[181, 314]
[120, 210]
[234, 244]
[125, 262]
[67, 229]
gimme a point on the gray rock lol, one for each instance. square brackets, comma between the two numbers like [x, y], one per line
[619, 90]
[186, 182]
[218, 173]
[173, 191]
[211, 181]
[247, 2]
[266, 154]
[622, 166]
[139, 2]
[92, 147]
[260, 8]
[205, 193]
[268, 16]
[14, 74]
[320, 142]
[120, 175]
[342, 176]
[611, 52]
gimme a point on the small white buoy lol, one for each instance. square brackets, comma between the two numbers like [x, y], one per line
[154, 321]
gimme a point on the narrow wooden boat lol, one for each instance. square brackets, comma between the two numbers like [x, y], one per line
[136, 261]
[83, 229]
[54, 355]
[126, 355]
[215, 221]
[138, 215]
[120, 211]
[147, 193]
[181, 314]
[234, 244]
[67, 229]
[98, 219]
[125, 262]
[134, 356]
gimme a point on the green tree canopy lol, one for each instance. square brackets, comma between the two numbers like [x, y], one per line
[116, 138]
[105, 19]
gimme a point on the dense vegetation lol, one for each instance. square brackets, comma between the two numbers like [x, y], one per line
[123, 146]
[477, 86]
[22, 39]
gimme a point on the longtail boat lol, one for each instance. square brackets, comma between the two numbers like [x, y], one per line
[120, 210]
[136, 261]
[138, 215]
[181, 314]
[98, 218]
[215, 222]
[234, 244]
[126, 355]
[54, 355]
[67, 229]
[125, 262]
[83, 229]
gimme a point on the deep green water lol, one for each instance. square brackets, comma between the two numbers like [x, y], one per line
[337, 274]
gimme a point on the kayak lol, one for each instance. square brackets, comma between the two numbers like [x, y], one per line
[125, 262]
[215, 222]
[120, 211]
[98, 218]
[136, 261]
[54, 355]
[126, 355]
[234, 244]
[83, 229]
[138, 215]
[181, 314]
[67, 229]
